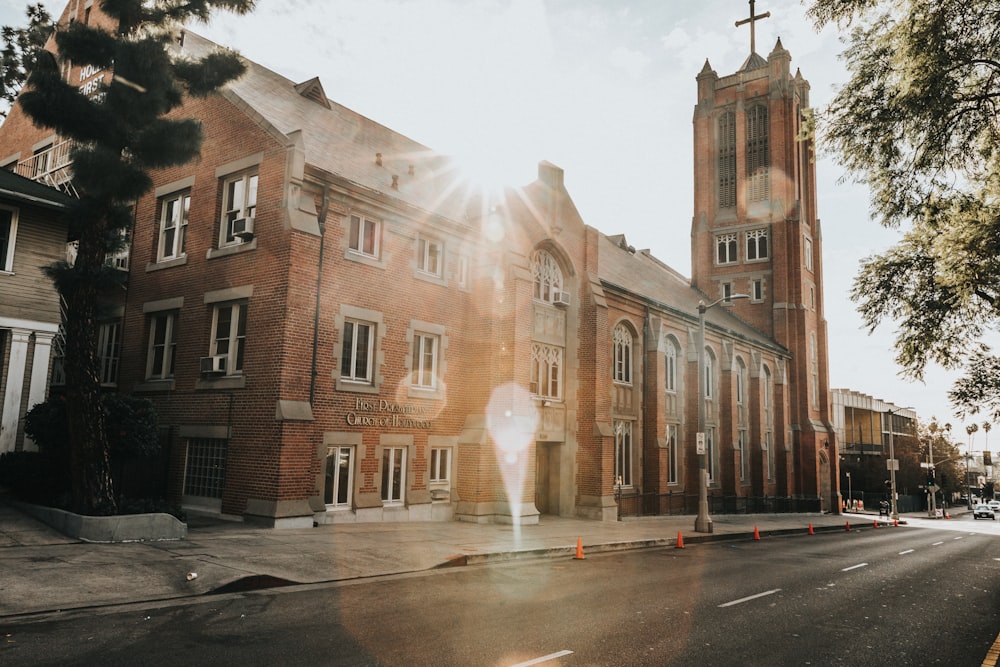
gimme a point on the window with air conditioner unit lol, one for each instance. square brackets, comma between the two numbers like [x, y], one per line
[243, 229]
[560, 298]
[214, 365]
[239, 205]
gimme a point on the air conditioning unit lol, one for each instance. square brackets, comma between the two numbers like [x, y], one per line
[243, 228]
[560, 298]
[214, 365]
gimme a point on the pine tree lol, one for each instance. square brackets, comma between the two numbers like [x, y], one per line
[120, 132]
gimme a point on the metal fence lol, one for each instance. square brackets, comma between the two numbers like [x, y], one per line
[668, 504]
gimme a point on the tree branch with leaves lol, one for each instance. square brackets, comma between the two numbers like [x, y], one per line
[919, 123]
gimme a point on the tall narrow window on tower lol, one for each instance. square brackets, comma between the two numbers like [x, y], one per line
[758, 158]
[727, 160]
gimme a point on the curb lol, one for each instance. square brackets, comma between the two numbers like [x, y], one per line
[607, 547]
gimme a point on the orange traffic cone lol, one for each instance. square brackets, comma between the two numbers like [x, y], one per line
[876, 523]
[946, 515]
[847, 525]
[811, 531]
[895, 522]
[756, 533]
[579, 549]
[680, 541]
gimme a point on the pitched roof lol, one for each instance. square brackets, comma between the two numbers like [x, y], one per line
[345, 143]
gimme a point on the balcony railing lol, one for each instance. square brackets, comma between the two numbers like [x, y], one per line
[51, 167]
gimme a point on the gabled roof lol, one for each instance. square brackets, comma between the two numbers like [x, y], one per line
[26, 191]
[344, 143]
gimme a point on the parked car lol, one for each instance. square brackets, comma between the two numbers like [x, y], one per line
[994, 505]
[983, 512]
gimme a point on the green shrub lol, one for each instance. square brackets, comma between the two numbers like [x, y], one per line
[131, 427]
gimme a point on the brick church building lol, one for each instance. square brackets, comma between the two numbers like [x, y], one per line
[334, 326]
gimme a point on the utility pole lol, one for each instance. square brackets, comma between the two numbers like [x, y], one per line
[931, 488]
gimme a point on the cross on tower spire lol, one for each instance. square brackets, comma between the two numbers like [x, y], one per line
[751, 20]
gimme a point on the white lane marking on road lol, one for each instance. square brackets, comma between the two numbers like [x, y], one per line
[544, 658]
[937, 544]
[908, 551]
[854, 567]
[750, 597]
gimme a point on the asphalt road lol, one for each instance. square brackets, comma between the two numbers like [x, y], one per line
[900, 596]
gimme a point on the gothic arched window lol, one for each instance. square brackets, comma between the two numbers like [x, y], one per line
[547, 276]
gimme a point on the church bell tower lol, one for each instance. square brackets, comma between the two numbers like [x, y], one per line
[755, 231]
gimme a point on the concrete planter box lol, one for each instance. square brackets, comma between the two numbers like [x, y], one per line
[120, 528]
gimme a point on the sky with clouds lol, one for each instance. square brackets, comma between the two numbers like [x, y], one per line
[605, 89]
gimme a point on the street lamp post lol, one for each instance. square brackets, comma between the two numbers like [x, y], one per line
[703, 522]
[932, 506]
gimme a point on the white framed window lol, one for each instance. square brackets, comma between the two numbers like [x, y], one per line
[440, 472]
[546, 275]
[119, 258]
[338, 483]
[239, 207]
[109, 351]
[757, 245]
[393, 475]
[621, 341]
[462, 270]
[757, 289]
[546, 370]
[174, 211]
[726, 249]
[229, 331]
[672, 453]
[741, 444]
[357, 351]
[162, 345]
[670, 371]
[8, 234]
[425, 360]
[808, 250]
[430, 257]
[364, 236]
[623, 453]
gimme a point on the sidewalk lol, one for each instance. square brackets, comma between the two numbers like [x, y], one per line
[45, 571]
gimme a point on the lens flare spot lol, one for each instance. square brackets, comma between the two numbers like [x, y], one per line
[512, 420]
